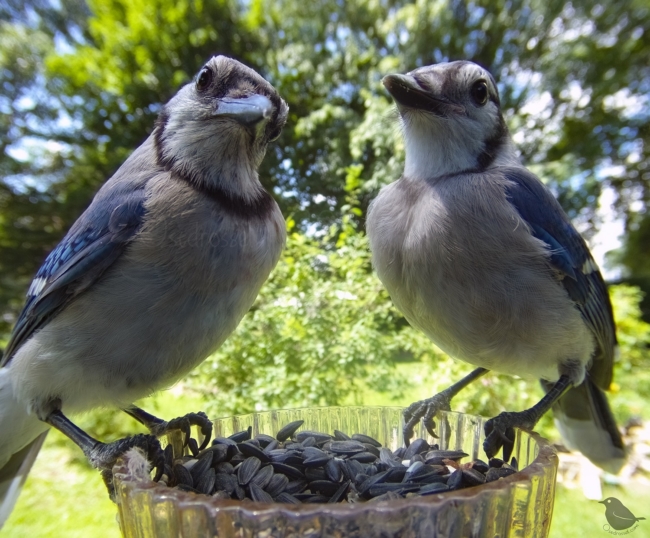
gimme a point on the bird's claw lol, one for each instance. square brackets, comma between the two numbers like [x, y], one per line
[500, 432]
[103, 456]
[425, 410]
[184, 424]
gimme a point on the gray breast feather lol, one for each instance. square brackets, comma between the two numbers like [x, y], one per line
[463, 267]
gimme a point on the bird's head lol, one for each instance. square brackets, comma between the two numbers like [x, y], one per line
[611, 501]
[214, 132]
[451, 118]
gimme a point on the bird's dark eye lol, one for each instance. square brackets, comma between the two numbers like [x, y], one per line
[204, 79]
[480, 92]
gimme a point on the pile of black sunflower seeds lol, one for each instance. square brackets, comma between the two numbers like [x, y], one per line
[312, 467]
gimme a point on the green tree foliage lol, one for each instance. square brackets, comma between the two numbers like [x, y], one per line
[83, 82]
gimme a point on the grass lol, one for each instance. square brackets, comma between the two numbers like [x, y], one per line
[63, 497]
[574, 515]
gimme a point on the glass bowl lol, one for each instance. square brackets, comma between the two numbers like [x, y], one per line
[519, 505]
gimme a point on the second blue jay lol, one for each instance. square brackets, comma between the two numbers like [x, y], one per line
[154, 275]
[478, 254]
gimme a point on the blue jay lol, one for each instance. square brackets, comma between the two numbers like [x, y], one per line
[152, 278]
[478, 255]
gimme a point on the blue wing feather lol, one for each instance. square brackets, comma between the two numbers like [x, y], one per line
[570, 257]
[91, 246]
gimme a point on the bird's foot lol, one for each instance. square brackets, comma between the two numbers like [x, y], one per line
[103, 456]
[499, 432]
[184, 424]
[425, 410]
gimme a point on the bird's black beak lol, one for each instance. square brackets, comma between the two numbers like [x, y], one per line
[245, 110]
[408, 93]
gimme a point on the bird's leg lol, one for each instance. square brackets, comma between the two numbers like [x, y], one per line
[102, 456]
[427, 409]
[158, 426]
[499, 431]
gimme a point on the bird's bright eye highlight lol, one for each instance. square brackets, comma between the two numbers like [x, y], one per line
[204, 79]
[480, 92]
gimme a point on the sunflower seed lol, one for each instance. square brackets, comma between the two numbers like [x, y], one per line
[237, 458]
[271, 446]
[353, 468]
[472, 477]
[360, 481]
[315, 474]
[225, 482]
[371, 469]
[324, 486]
[225, 467]
[288, 470]
[430, 489]
[364, 457]
[372, 449]
[201, 466]
[247, 470]
[318, 436]
[455, 480]
[248, 449]
[346, 447]
[264, 440]
[276, 485]
[258, 494]
[435, 457]
[224, 441]
[395, 474]
[205, 483]
[239, 492]
[366, 439]
[287, 498]
[315, 457]
[263, 476]
[498, 472]
[288, 430]
[219, 453]
[380, 489]
[387, 457]
[340, 493]
[311, 498]
[242, 436]
[182, 476]
[333, 470]
[480, 466]
[340, 436]
[416, 447]
[296, 486]
[371, 481]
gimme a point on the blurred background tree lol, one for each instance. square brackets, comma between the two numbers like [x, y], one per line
[83, 81]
